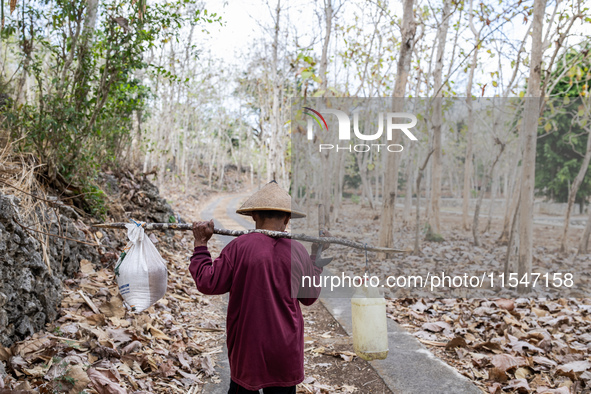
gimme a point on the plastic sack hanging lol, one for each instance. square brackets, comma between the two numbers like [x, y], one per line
[140, 271]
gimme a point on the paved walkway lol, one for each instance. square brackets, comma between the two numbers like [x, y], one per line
[410, 367]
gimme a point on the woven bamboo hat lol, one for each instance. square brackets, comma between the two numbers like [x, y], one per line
[271, 198]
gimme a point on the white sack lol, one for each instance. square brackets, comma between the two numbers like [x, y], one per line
[141, 271]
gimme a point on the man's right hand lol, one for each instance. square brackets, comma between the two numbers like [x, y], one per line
[202, 231]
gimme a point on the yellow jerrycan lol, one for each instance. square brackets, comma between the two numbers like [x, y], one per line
[370, 327]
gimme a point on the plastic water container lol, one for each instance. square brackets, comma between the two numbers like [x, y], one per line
[370, 327]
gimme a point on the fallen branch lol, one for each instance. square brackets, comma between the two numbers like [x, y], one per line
[274, 234]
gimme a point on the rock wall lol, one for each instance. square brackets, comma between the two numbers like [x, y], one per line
[139, 197]
[31, 285]
[31, 272]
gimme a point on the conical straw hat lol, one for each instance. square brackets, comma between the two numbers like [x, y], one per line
[271, 198]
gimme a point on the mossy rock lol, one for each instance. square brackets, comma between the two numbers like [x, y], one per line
[434, 237]
[431, 235]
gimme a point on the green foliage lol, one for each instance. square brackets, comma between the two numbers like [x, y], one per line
[563, 136]
[355, 199]
[96, 199]
[85, 81]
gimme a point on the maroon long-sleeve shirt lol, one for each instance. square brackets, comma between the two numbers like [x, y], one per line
[265, 328]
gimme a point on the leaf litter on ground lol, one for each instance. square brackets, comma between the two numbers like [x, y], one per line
[522, 345]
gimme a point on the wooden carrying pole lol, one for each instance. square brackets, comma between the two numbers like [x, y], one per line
[274, 234]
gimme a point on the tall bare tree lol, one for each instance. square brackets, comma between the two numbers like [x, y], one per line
[274, 169]
[408, 31]
[470, 124]
[530, 132]
[328, 15]
[437, 119]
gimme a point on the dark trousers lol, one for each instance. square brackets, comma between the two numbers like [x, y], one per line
[235, 388]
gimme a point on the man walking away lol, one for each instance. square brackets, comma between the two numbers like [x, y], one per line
[264, 326]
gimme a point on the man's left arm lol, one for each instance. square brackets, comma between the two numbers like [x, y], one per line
[309, 294]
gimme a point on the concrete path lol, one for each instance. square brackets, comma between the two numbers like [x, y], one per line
[410, 367]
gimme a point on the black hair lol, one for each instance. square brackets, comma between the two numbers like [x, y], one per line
[271, 214]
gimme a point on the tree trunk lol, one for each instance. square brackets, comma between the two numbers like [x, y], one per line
[418, 214]
[211, 166]
[494, 191]
[511, 200]
[572, 193]
[513, 241]
[470, 125]
[274, 170]
[222, 173]
[362, 160]
[82, 53]
[584, 245]
[487, 179]
[530, 132]
[408, 193]
[324, 57]
[386, 233]
[434, 222]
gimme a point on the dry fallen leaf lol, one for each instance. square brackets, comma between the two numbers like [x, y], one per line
[539, 312]
[436, 327]
[185, 360]
[103, 384]
[456, 342]
[86, 267]
[495, 388]
[5, 353]
[522, 373]
[167, 369]
[544, 361]
[497, 375]
[132, 347]
[35, 372]
[31, 346]
[547, 390]
[505, 362]
[205, 364]
[518, 385]
[158, 334]
[80, 378]
[506, 304]
[573, 369]
[347, 356]
[119, 335]
[113, 308]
